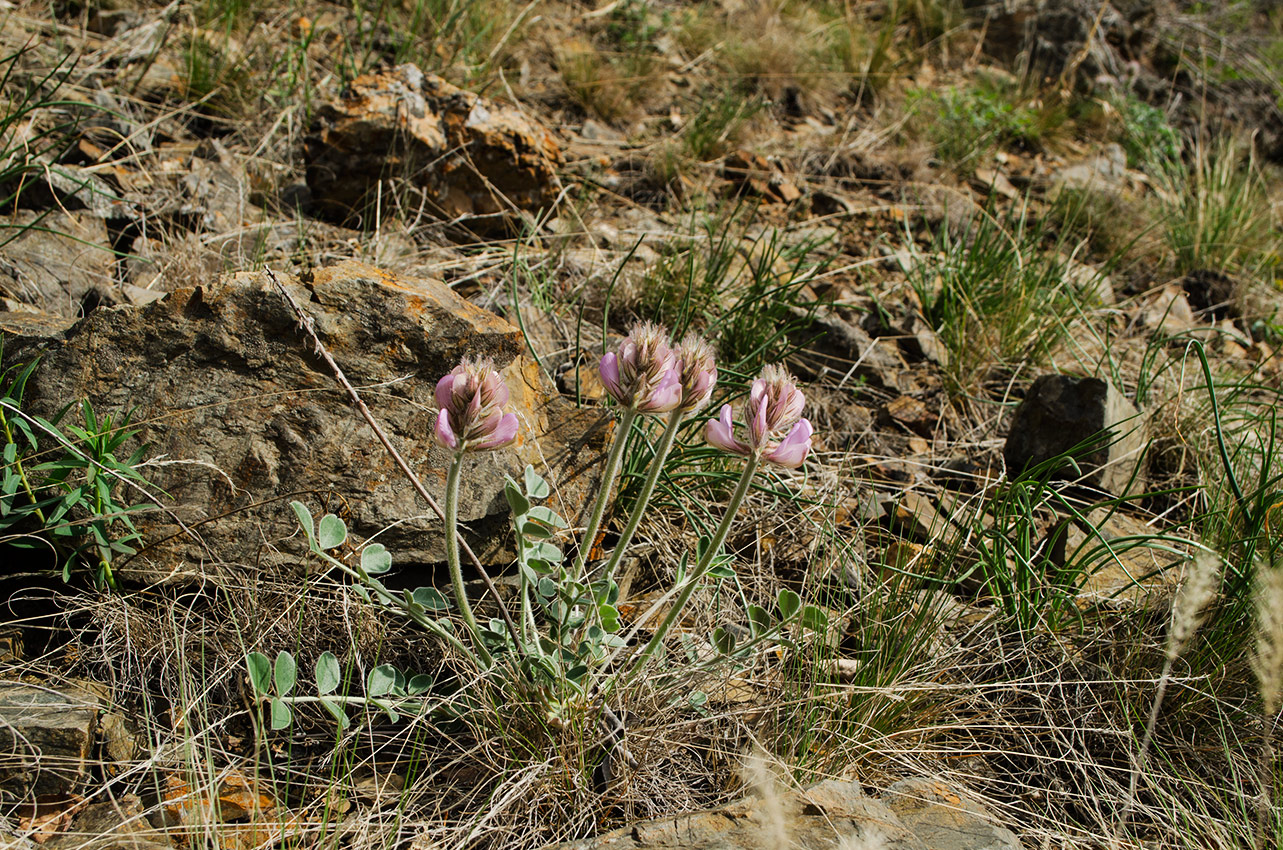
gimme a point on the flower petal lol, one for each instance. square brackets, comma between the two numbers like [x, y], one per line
[445, 435]
[720, 433]
[665, 396]
[505, 431]
[793, 449]
[445, 388]
[609, 370]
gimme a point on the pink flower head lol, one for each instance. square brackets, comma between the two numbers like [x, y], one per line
[644, 374]
[776, 431]
[698, 372]
[472, 417]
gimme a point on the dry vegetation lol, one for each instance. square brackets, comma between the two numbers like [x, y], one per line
[933, 211]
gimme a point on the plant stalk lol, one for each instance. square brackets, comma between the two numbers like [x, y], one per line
[693, 579]
[452, 558]
[608, 476]
[643, 498]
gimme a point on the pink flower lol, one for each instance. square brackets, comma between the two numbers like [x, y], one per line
[698, 372]
[776, 431]
[644, 374]
[472, 416]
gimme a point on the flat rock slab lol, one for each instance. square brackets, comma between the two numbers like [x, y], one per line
[943, 819]
[227, 390]
[831, 815]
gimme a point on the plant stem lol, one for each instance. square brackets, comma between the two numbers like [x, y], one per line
[452, 558]
[693, 580]
[643, 498]
[607, 484]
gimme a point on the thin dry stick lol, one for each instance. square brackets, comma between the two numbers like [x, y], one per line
[305, 323]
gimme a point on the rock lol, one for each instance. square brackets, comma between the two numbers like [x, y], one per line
[222, 382]
[466, 157]
[1124, 565]
[876, 360]
[910, 413]
[1168, 311]
[1059, 36]
[943, 819]
[756, 174]
[71, 188]
[833, 814]
[46, 737]
[115, 825]
[1105, 172]
[1061, 412]
[58, 263]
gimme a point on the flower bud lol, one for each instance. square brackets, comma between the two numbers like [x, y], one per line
[644, 374]
[473, 418]
[698, 372]
[776, 431]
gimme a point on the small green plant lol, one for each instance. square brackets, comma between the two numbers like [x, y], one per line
[36, 126]
[1145, 133]
[965, 124]
[994, 295]
[565, 648]
[1216, 210]
[66, 498]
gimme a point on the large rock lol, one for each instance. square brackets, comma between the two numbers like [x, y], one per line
[1060, 413]
[229, 393]
[46, 738]
[465, 156]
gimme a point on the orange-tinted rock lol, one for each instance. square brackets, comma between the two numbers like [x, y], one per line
[425, 140]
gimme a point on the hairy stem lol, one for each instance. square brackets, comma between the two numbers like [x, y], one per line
[452, 558]
[607, 485]
[701, 568]
[643, 498]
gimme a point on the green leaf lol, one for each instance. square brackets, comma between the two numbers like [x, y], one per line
[516, 499]
[332, 532]
[536, 487]
[545, 552]
[336, 710]
[375, 559]
[790, 603]
[281, 714]
[260, 672]
[577, 672]
[609, 615]
[286, 673]
[724, 640]
[305, 520]
[535, 531]
[328, 673]
[721, 571]
[431, 599]
[547, 588]
[420, 684]
[815, 619]
[759, 620]
[381, 680]
[547, 516]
